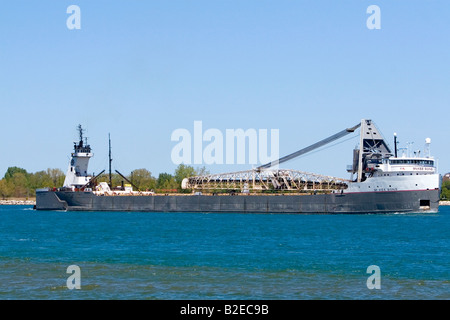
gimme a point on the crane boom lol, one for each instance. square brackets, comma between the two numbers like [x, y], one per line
[128, 181]
[311, 147]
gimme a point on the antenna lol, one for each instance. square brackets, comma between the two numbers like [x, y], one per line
[427, 147]
[408, 151]
[80, 132]
[395, 143]
[110, 160]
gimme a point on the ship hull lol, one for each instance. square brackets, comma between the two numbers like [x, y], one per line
[363, 202]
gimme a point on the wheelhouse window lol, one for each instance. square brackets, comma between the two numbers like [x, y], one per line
[411, 161]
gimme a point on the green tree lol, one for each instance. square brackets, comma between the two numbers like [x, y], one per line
[445, 191]
[142, 178]
[21, 186]
[6, 188]
[17, 182]
[183, 171]
[57, 177]
[12, 170]
[166, 181]
[40, 179]
[201, 171]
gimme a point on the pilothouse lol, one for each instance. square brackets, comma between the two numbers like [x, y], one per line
[77, 176]
[374, 158]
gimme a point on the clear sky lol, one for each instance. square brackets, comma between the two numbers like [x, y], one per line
[141, 69]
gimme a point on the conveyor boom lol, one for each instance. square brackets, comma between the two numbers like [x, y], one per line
[311, 147]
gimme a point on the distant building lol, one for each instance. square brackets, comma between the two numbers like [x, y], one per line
[446, 177]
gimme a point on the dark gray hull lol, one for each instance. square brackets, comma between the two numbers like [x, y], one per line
[373, 202]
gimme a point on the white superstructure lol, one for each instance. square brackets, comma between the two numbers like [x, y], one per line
[77, 174]
[379, 170]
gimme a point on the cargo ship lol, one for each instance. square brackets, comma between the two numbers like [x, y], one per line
[381, 181]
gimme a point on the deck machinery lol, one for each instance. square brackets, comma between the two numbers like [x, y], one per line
[264, 178]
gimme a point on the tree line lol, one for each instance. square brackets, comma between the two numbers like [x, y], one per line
[18, 183]
[445, 191]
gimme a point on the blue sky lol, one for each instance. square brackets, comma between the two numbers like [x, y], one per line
[141, 69]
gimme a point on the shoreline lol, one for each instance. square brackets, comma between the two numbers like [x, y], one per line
[20, 202]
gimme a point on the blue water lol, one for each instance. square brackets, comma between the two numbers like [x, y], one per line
[222, 256]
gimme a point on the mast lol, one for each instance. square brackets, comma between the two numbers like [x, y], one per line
[80, 132]
[361, 150]
[395, 144]
[110, 160]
